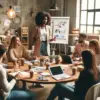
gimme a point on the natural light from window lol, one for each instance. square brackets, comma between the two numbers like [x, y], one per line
[90, 16]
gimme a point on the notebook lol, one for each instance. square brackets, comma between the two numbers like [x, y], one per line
[57, 73]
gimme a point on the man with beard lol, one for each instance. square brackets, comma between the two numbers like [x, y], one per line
[81, 45]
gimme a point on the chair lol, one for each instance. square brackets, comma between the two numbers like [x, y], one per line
[93, 92]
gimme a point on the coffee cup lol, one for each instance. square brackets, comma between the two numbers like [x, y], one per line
[31, 73]
[47, 65]
[74, 71]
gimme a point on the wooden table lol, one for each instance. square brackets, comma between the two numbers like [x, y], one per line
[50, 80]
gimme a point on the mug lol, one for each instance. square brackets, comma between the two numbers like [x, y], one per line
[42, 63]
[47, 65]
[74, 71]
[31, 73]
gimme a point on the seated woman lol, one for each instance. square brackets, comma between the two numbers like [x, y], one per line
[95, 46]
[6, 87]
[87, 78]
[16, 50]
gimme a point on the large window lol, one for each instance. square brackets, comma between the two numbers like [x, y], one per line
[90, 16]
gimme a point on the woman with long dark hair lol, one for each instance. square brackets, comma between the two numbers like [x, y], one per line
[87, 78]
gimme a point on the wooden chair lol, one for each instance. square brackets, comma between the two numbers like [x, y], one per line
[93, 92]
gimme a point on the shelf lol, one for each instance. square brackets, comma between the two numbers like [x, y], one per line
[24, 36]
[24, 43]
[73, 34]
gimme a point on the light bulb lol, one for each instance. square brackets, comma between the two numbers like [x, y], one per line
[11, 13]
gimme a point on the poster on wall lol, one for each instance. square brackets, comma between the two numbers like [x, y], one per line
[17, 9]
[60, 29]
[7, 22]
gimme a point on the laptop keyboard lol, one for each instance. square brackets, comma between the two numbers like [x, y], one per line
[63, 76]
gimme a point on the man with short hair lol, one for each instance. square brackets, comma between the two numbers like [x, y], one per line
[81, 45]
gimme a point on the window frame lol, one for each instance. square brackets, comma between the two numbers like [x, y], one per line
[94, 15]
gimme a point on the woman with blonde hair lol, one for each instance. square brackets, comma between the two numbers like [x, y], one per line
[16, 50]
[95, 46]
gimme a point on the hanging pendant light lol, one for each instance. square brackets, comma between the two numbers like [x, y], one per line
[54, 7]
[11, 13]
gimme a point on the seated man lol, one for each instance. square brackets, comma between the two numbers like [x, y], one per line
[80, 46]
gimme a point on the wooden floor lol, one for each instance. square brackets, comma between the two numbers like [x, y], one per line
[42, 93]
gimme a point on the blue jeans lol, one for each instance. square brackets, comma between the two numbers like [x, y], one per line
[43, 49]
[21, 95]
[62, 91]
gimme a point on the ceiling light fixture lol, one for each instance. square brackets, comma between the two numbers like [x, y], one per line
[11, 13]
[54, 6]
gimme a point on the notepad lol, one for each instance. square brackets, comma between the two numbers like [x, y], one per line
[38, 69]
[14, 73]
[45, 74]
[27, 62]
[33, 61]
[21, 72]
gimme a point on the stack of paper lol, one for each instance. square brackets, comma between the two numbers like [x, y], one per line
[38, 69]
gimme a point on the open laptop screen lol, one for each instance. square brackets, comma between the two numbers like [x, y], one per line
[56, 70]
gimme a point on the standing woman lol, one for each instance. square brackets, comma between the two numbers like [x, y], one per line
[41, 35]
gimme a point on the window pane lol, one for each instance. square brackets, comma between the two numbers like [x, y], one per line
[97, 18]
[89, 29]
[84, 4]
[83, 17]
[97, 30]
[83, 29]
[90, 18]
[90, 4]
[97, 4]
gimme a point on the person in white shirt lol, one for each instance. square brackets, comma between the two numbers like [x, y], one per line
[6, 92]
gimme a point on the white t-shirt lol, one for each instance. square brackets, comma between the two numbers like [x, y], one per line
[43, 35]
[5, 86]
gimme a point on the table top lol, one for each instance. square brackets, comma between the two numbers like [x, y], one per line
[50, 79]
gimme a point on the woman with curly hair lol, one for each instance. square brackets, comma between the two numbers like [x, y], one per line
[41, 34]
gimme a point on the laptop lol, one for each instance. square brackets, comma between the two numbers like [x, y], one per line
[57, 73]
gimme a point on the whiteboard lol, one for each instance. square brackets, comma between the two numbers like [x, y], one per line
[60, 29]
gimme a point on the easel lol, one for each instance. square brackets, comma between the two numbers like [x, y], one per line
[53, 48]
